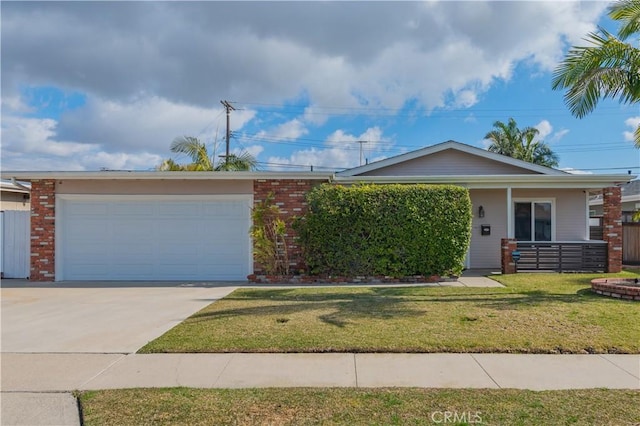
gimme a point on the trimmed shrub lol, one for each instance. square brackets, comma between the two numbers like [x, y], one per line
[386, 230]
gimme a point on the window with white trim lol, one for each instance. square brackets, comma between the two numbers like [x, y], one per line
[533, 220]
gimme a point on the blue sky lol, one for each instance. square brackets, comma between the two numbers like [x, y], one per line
[87, 86]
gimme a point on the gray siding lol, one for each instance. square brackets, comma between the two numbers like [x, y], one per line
[485, 249]
[571, 211]
[448, 163]
[570, 219]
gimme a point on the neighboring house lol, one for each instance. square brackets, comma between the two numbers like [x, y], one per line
[630, 202]
[14, 229]
[112, 225]
[14, 195]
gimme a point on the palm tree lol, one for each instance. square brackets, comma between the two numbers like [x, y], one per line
[201, 160]
[242, 162]
[170, 166]
[609, 68]
[535, 151]
[508, 139]
[504, 138]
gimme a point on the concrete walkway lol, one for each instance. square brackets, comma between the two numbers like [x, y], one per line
[36, 388]
[68, 372]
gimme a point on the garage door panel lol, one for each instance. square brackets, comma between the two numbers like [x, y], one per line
[99, 271]
[169, 239]
[228, 210]
[172, 210]
[132, 209]
[89, 208]
[178, 251]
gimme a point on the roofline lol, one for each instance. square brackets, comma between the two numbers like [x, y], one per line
[500, 181]
[447, 145]
[16, 190]
[162, 175]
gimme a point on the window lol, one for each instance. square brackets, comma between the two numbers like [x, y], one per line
[533, 220]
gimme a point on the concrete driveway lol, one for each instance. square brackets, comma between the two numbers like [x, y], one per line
[97, 317]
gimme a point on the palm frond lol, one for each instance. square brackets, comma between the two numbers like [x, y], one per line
[240, 162]
[169, 165]
[606, 69]
[195, 149]
[627, 11]
[507, 139]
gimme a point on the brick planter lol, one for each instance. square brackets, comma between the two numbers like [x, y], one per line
[621, 288]
[315, 279]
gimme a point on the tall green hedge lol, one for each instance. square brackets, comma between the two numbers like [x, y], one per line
[390, 230]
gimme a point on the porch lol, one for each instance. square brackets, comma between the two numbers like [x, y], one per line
[570, 256]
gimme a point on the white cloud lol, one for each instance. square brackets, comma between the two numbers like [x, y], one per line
[152, 71]
[149, 123]
[547, 134]
[15, 105]
[342, 150]
[633, 123]
[292, 129]
[575, 171]
[545, 128]
[110, 134]
[31, 144]
[559, 135]
[333, 53]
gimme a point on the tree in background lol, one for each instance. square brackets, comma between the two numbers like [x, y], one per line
[201, 160]
[609, 68]
[507, 139]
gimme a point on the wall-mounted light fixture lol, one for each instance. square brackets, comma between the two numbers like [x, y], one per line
[480, 211]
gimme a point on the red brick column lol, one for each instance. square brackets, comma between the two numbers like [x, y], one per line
[612, 227]
[508, 245]
[289, 196]
[43, 221]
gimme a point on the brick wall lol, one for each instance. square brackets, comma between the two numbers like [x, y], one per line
[43, 220]
[507, 246]
[289, 196]
[612, 227]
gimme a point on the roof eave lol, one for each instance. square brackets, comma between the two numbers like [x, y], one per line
[472, 150]
[162, 175]
[500, 181]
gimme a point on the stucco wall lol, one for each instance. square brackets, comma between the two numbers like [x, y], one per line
[155, 187]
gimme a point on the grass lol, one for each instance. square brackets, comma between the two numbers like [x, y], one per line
[359, 406]
[534, 313]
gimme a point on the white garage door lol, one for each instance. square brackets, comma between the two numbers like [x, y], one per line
[153, 238]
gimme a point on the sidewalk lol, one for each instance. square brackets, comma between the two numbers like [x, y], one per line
[36, 387]
[68, 372]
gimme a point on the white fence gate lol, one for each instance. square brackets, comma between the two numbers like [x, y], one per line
[14, 243]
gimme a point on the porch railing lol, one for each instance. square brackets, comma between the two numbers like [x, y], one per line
[587, 256]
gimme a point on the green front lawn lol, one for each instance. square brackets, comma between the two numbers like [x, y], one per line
[359, 407]
[535, 313]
